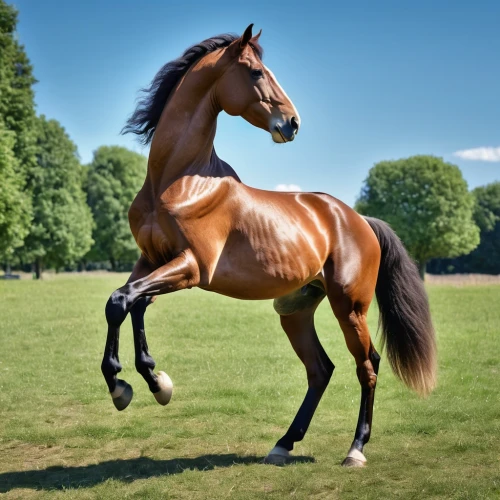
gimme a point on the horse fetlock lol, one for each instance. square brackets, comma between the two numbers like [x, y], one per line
[144, 363]
[363, 437]
[110, 366]
[292, 436]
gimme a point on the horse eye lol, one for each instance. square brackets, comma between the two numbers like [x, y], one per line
[257, 73]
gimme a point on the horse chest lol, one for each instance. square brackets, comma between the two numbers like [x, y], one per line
[158, 237]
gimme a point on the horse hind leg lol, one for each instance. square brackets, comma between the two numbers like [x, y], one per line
[352, 319]
[299, 327]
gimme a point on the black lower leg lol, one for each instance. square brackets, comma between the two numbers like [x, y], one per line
[116, 311]
[144, 363]
[363, 429]
[300, 424]
[299, 328]
[110, 365]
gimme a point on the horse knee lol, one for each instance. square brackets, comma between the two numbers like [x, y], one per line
[118, 306]
[109, 368]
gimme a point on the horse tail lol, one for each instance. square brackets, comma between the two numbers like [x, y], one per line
[405, 316]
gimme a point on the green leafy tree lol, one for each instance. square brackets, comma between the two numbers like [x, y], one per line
[487, 206]
[426, 202]
[113, 180]
[17, 108]
[15, 204]
[61, 231]
[486, 257]
[17, 134]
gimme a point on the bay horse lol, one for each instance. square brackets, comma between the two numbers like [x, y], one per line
[198, 225]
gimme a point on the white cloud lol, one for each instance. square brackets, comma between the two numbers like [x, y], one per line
[287, 187]
[479, 154]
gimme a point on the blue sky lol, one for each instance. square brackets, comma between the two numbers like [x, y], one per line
[371, 80]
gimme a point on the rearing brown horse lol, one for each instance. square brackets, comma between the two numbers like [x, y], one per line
[198, 225]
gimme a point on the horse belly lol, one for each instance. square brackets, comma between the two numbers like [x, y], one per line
[274, 271]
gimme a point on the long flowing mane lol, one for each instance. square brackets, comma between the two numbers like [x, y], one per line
[146, 116]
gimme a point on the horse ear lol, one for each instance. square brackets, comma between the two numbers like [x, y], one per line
[257, 36]
[246, 37]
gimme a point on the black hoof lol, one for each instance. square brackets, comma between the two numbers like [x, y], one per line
[123, 399]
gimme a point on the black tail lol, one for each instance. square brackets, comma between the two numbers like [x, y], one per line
[404, 313]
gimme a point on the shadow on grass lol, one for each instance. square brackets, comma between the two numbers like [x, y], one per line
[127, 471]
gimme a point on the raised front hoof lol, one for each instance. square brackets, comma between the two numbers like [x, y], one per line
[353, 462]
[122, 395]
[278, 456]
[164, 395]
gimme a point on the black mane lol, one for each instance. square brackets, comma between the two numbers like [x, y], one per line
[145, 118]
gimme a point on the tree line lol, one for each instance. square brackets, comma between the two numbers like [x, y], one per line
[57, 213]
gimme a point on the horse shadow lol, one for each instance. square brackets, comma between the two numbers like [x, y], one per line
[127, 471]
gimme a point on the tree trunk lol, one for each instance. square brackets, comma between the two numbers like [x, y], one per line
[422, 264]
[113, 264]
[7, 269]
[38, 268]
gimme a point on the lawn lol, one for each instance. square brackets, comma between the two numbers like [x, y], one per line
[237, 387]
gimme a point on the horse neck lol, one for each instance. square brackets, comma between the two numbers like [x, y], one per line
[183, 142]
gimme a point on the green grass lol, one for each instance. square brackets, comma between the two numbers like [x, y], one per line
[237, 387]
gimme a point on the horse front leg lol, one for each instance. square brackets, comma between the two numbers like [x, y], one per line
[120, 391]
[181, 272]
[159, 384]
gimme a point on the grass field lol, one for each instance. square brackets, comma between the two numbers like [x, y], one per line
[238, 385]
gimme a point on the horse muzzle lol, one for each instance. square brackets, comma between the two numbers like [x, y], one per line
[285, 131]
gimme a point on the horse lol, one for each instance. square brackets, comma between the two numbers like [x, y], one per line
[197, 225]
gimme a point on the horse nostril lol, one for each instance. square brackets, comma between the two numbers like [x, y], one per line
[295, 125]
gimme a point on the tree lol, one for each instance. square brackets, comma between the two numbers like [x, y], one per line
[15, 205]
[17, 108]
[487, 206]
[486, 257]
[114, 178]
[62, 226]
[17, 134]
[426, 202]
